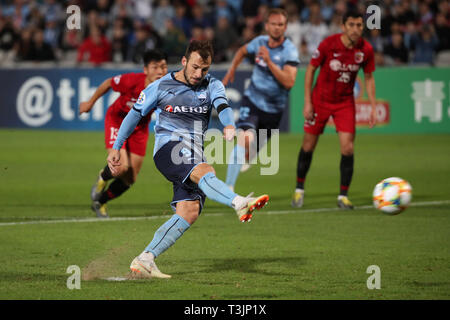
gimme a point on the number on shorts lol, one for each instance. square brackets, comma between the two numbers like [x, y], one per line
[114, 132]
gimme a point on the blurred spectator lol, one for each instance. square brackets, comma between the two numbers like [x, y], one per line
[409, 34]
[294, 29]
[376, 40]
[260, 18]
[174, 42]
[327, 10]
[444, 8]
[52, 33]
[335, 24]
[425, 44]
[249, 8]
[403, 13]
[396, 49]
[197, 33]
[225, 40]
[145, 39]
[305, 11]
[308, 23]
[199, 18]
[103, 8]
[246, 36]
[18, 11]
[182, 21]
[35, 19]
[123, 10]
[95, 49]
[71, 40]
[53, 10]
[379, 58]
[163, 12]
[209, 34]
[40, 50]
[442, 28]
[8, 35]
[386, 21]
[314, 31]
[426, 16]
[24, 46]
[119, 42]
[223, 10]
[143, 9]
[340, 7]
[304, 54]
[235, 8]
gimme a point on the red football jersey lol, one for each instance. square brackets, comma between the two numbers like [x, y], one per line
[129, 85]
[339, 67]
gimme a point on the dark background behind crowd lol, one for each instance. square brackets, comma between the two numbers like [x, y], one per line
[119, 31]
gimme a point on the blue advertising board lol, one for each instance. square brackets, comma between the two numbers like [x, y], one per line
[49, 98]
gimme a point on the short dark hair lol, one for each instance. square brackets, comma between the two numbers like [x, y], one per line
[153, 55]
[203, 47]
[352, 14]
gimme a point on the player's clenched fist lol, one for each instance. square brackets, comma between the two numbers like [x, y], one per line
[263, 52]
[229, 77]
[308, 111]
[229, 132]
[114, 161]
[85, 107]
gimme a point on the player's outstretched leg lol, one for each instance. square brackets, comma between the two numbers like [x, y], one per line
[217, 190]
[248, 205]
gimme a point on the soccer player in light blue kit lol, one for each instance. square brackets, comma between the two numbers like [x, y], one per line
[183, 101]
[276, 61]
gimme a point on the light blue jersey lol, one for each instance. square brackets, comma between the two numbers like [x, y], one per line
[182, 111]
[264, 91]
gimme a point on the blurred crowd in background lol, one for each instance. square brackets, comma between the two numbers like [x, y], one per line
[119, 31]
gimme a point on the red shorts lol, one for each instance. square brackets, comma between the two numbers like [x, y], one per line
[343, 117]
[136, 142]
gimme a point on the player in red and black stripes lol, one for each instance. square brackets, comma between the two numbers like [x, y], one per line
[339, 57]
[129, 86]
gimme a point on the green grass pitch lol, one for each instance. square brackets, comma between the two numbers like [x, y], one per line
[316, 252]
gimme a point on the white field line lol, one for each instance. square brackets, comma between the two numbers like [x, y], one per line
[270, 212]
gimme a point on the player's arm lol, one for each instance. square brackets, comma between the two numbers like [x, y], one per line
[226, 115]
[308, 110]
[237, 60]
[86, 106]
[286, 76]
[126, 129]
[140, 109]
[369, 81]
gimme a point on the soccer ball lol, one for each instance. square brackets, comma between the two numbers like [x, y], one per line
[392, 195]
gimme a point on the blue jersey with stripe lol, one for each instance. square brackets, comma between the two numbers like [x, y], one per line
[182, 111]
[264, 90]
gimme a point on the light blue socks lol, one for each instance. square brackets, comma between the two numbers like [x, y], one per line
[235, 162]
[216, 189]
[167, 234]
